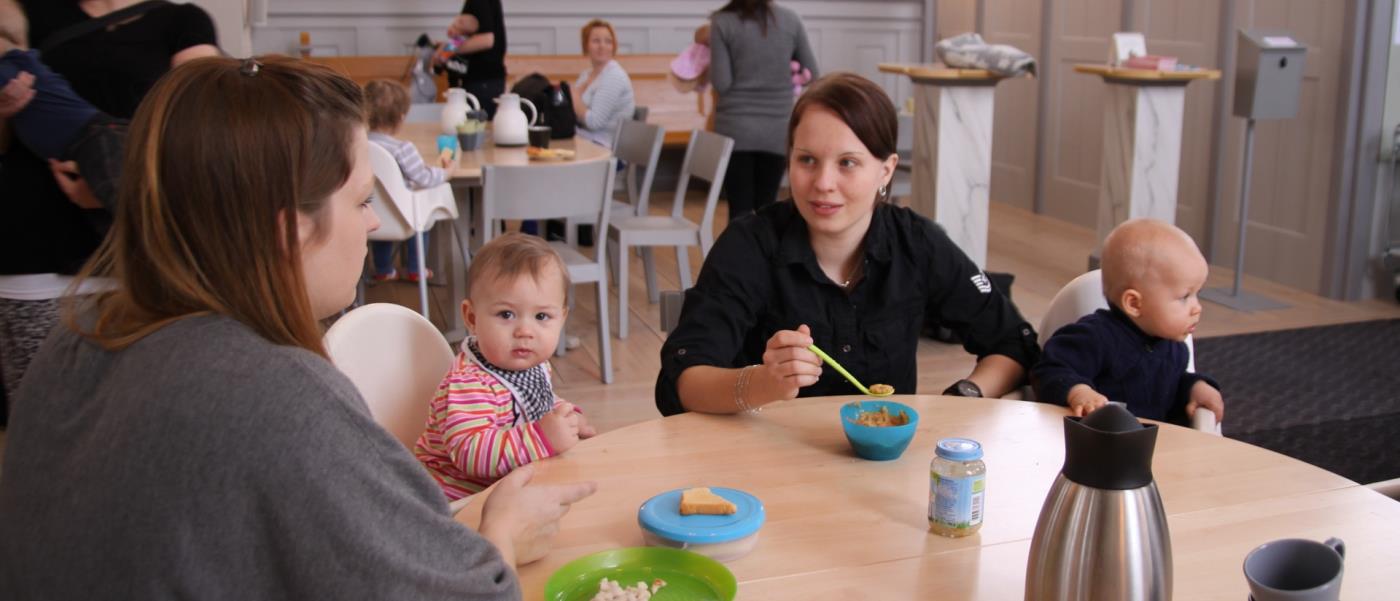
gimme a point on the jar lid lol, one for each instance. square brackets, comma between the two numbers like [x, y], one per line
[959, 449]
[661, 515]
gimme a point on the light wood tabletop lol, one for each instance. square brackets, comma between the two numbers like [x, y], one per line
[468, 170]
[938, 72]
[839, 527]
[1147, 75]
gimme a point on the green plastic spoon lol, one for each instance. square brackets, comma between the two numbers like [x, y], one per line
[841, 370]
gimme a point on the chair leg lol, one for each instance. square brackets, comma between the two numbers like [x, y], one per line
[649, 267]
[561, 347]
[622, 288]
[604, 341]
[422, 271]
[683, 265]
[613, 257]
[463, 242]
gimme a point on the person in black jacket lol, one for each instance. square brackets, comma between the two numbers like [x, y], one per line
[1135, 352]
[838, 265]
[484, 52]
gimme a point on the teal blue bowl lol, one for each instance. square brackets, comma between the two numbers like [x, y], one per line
[878, 443]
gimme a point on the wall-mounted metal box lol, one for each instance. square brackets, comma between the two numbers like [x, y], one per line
[1268, 75]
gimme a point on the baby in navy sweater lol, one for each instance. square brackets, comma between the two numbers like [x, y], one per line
[1134, 351]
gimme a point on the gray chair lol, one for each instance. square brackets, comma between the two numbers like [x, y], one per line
[639, 146]
[430, 112]
[550, 191]
[706, 158]
[901, 185]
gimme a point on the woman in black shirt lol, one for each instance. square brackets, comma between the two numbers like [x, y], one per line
[837, 265]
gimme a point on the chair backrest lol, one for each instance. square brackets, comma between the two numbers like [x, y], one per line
[639, 145]
[1081, 296]
[546, 191]
[428, 112]
[396, 358]
[393, 200]
[639, 113]
[707, 158]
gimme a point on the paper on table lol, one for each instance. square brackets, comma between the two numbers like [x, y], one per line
[1279, 41]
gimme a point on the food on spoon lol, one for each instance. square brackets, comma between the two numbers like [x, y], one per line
[610, 590]
[703, 501]
[882, 418]
[881, 389]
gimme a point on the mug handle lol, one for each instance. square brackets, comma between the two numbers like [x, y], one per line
[534, 112]
[1337, 545]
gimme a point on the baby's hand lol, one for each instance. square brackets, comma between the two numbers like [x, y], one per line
[561, 429]
[1205, 396]
[585, 429]
[1084, 399]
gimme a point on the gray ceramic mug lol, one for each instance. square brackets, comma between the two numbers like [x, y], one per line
[1295, 569]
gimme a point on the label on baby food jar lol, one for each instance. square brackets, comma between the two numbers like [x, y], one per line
[957, 502]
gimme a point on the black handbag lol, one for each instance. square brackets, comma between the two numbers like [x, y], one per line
[555, 104]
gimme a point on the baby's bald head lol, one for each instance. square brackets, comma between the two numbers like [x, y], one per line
[1141, 250]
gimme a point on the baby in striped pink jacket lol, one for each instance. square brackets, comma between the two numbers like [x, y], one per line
[496, 409]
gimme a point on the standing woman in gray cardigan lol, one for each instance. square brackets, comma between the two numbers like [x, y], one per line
[752, 46]
[184, 434]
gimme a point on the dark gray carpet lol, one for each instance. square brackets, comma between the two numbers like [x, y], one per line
[1327, 395]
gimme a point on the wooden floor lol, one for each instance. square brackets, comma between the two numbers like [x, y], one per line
[1043, 253]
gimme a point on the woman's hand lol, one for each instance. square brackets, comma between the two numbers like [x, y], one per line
[787, 366]
[16, 94]
[73, 184]
[521, 519]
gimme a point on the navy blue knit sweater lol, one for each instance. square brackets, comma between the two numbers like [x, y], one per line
[1107, 351]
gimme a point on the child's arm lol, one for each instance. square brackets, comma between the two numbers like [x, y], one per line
[1067, 367]
[1195, 390]
[418, 174]
[468, 413]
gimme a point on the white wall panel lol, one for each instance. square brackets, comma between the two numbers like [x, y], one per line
[853, 35]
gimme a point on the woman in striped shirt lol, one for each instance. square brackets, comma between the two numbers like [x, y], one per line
[496, 410]
[602, 95]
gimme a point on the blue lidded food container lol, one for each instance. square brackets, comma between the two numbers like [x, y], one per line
[720, 537]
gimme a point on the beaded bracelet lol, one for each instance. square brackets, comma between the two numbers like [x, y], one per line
[741, 387]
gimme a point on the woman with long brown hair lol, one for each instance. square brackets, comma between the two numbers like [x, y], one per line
[185, 434]
[838, 265]
[752, 46]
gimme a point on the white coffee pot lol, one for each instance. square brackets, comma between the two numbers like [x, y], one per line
[510, 125]
[454, 113]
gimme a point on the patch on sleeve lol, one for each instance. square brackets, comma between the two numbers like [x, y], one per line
[983, 284]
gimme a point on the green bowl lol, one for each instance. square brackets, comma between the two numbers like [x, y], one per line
[689, 576]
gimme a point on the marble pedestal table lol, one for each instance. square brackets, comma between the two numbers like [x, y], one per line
[1142, 123]
[952, 162]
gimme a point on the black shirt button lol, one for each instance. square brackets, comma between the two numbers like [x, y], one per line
[680, 352]
[845, 348]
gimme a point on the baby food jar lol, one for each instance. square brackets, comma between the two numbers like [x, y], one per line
[957, 486]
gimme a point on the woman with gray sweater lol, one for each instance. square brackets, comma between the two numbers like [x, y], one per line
[752, 46]
[187, 437]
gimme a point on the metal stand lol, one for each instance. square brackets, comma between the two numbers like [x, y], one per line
[1235, 298]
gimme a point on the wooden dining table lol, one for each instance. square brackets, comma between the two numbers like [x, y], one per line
[840, 527]
[467, 171]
